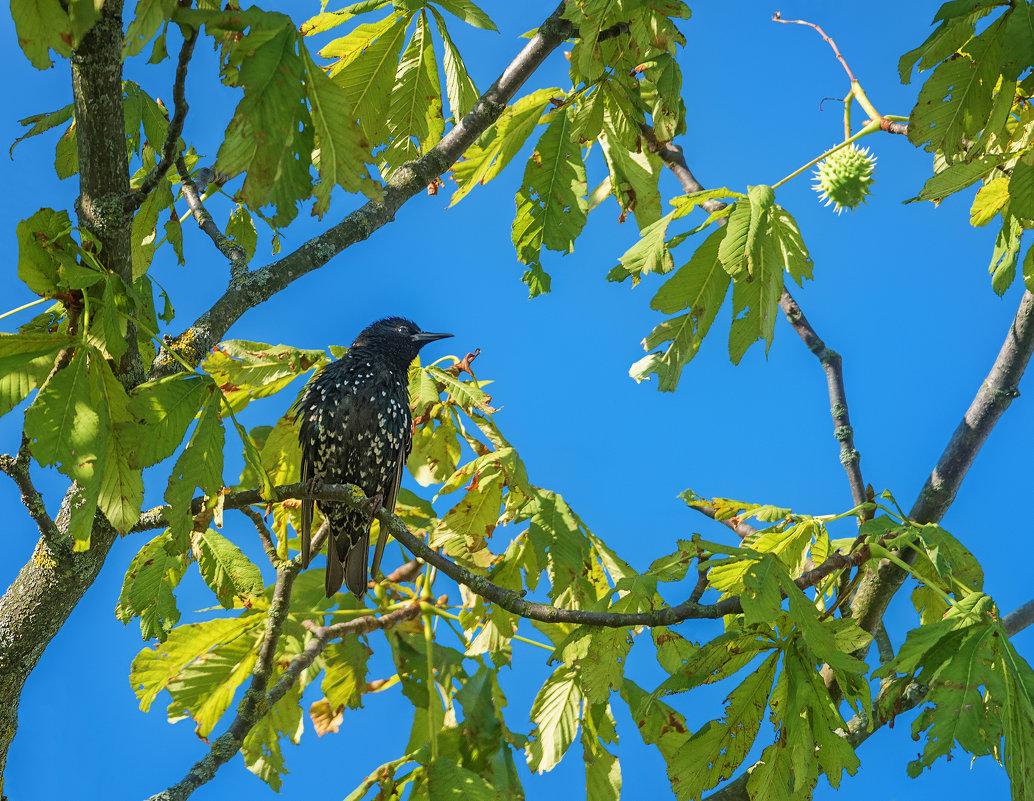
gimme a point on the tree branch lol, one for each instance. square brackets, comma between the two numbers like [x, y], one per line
[17, 467]
[833, 367]
[250, 289]
[237, 256]
[992, 399]
[179, 102]
[508, 599]
[674, 158]
[229, 743]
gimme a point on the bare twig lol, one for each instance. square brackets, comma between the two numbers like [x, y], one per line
[179, 116]
[777, 18]
[265, 535]
[743, 530]
[17, 467]
[833, 368]
[237, 255]
[894, 127]
[1019, 619]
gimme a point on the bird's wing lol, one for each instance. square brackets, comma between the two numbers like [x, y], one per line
[306, 532]
[391, 495]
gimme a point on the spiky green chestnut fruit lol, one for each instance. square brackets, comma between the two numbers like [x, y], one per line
[844, 178]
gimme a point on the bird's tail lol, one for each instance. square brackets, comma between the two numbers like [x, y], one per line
[355, 565]
[334, 575]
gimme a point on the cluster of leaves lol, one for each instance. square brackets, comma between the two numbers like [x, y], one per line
[974, 113]
[624, 77]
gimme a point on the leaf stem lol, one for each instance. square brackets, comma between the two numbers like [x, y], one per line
[871, 127]
[24, 307]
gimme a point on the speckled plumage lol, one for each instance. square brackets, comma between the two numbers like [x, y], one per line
[356, 428]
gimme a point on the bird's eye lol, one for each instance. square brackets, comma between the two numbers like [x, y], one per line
[403, 330]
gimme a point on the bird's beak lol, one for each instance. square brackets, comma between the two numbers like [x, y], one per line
[423, 337]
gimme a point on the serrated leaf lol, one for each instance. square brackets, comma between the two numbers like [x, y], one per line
[448, 781]
[148, 586]
[42, 26]
[163, 410]
[988, 201]
[367, 63]
[149, 16]
[25, 361]
[247, 370]
[342, 151]
[415, 107]
[469, 13]
[41, 123]
[205, 688]
[225, 569]
[459, 87]
[755, 302]
[555, 713]
[634, 175]
[154, 668]
[551, 205]
[345, 678]
[200, 465]
[494, 149]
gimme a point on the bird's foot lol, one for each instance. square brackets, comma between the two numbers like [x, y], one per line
[315, 485]
[371, 506]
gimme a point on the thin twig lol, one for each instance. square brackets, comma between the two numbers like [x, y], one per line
[17, 467]
[172, 136]
[832, 365]
[237, 255]
[822, 33]
[743, 530]
[265, 535]
[261, 703]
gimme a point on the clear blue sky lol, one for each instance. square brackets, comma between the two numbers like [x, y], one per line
[901, 292]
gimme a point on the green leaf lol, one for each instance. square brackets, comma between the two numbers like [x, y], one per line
[465, 394]
[149, 17]
[699, 285]
[342, 151]
[1021, 190]
[25, 361]
[225, 569]
[602, 770]
[345, 678]
[200, 465]
[367, 62]
[204, 689]
[494, 149]
[633, 177]
[714, 753]
[245, 371]
[325, 21]
[148, 586]
[661, 725]
[163, 410]
[261, 747]
[436, 451]
[41, 123]
[47, 254]
[415, 107]
[551, 205]
[1006, 251]
[755, 302]
[269, 138]
[957, 177]
[153, 669]
[42, 26]
[955, 102]
[469, 13]
[555, 713]
[989, 200]
[66, 154]
[459, 87]
[447, 781]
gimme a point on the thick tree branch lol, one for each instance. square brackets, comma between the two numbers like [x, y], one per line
[992, 399]
[257, 702]
[1019, 619]
[179, 116]
[251, 289]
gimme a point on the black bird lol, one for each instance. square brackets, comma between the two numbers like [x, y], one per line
[356, 428]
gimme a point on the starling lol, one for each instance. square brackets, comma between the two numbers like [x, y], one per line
[356, 428]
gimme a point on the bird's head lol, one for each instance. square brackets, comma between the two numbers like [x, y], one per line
[397, 338]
